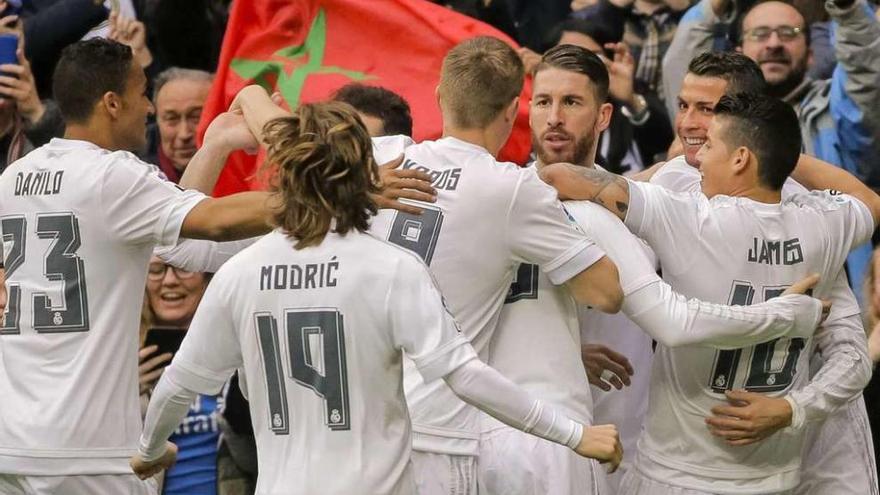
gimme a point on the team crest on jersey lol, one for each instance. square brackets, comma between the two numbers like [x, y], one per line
[721, 381]
[57, 319]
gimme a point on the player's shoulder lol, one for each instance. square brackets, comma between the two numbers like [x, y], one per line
[824, 201]
[387, 148]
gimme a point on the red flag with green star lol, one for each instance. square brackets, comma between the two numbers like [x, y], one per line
[307, 49]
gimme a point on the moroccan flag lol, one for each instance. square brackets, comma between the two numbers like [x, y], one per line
[307, 49]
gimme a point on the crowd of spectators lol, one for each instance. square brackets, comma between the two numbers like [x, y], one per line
[821, 57]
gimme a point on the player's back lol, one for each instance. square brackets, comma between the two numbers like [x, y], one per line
[322, 358]
[488, 218]
[78, 228]
[735, 251]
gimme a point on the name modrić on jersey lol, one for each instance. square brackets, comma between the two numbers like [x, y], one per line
[307, 276]
[38, 183]
[776, 252]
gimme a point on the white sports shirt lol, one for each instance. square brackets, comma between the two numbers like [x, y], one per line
[489, 217]
[318, 333]
[737, 251]
[78, 225]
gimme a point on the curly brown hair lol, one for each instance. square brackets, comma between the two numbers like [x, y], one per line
[325, 171]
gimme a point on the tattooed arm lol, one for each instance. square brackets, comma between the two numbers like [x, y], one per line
[581, 183]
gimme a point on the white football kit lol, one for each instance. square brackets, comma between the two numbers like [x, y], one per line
[318, 334]
[537, 345]
[79, 224]
[838, 452]
[489, 217]
[738, 251]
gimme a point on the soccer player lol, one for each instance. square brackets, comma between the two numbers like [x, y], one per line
[488, 218]
[537, 341]
[754, 244]
[838, 455]
[321, 355]
[79, 220]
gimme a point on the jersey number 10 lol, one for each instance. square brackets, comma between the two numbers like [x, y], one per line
[763, 375]
[61, 265]
[321, 369]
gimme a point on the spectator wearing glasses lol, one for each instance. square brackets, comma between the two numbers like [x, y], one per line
[172, 296]
[839, 117]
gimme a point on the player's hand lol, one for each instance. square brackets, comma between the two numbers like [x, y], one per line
[396, 183]
[150, 369]
[133, 33]
[144, 469]
[749, 418]
[230, 132]
[805, 286]
[605, 367]
[603, 444]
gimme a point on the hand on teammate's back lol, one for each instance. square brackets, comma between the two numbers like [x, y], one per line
[602, 443]
[396, 183]
[144, 469]
[605, 367]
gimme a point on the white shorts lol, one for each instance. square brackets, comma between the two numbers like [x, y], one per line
[516, 463]
[635, 483]
[98, 484]
[444, 474]
[839, 454]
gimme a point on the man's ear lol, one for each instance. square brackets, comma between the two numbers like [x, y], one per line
[512, 110]
[604, 118]
[742, 158]
[111, 104]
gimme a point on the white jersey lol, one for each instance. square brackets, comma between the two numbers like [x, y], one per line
[318, 333]
[735, 251]
[537, 345]
[78, 226]
[488, 219]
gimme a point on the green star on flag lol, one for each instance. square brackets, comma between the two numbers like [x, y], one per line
[308, 59]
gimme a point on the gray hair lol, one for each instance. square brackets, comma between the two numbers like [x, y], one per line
[176, 74]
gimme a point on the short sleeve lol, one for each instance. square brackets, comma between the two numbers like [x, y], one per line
[635, 269]
[848, 221]
[539, 231]
[211, 350]
[669, 222]
[139, 206]
[421, 325]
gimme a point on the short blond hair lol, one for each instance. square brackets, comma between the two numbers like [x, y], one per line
[479, 79]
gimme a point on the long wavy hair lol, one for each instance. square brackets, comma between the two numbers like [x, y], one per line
[325, 171]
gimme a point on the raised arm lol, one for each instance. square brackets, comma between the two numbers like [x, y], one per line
[855, 86]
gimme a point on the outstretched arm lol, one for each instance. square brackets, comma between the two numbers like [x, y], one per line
[581, 183]
[813, 173]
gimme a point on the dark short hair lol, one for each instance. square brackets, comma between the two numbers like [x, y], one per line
[86, 71]
[384, 104]
[601, 33]
[769, 128]
[576, 59]
[741, 73]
